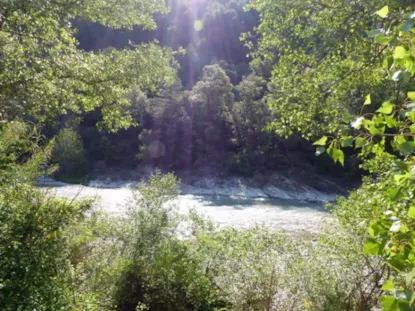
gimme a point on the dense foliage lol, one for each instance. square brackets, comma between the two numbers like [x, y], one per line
[339, 77]
[372, 65]
[175, 131]
[68, 154]
[44, 74]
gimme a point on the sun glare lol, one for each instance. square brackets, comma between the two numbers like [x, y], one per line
[198, 25]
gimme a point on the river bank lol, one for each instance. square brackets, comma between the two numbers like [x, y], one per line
[239, 202]
[289, 185]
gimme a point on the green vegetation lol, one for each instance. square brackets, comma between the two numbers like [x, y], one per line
[68, 154]
[324, 77]
[378, 68]
[43, 73]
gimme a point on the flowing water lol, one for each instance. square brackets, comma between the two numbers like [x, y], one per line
[297, 217]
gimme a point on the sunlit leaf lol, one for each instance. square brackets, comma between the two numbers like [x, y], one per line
[360, 142]
[388, 286]
[321, 142]
[395, 194]
[383, 12]
[400, 52]
[383, 40]
[411, 96]
[401, 178]
[368, 100]
[386, 108]
[336, 154]
[373, 247]
[389, 303]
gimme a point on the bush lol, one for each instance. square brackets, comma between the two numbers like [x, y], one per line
[55, 257]
[33, 249]
[156, 259]
[258, 269]
[68, 153]
[139, 261]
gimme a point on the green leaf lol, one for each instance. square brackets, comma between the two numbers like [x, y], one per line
[411, 96]
[396, 264]
[376, 229]
[406, 26]
[395, 194]
[347, 142]
[373, 247]
[411, 212]
[375, 131]
[388, 286]
[388, 62]
[399, 52]
[373, 33]
[368, 100]
[391, 122]
[400, 179]
[382, 40]
[321, 142]
[336, 154]
[360, 142]
[407, 148]
[320, 150]
[383, 12]
[389, 303]
[386, 108]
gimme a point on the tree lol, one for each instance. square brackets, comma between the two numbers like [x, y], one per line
[380, 41]
[212, 100]
[43, 73]
[386, 142]
[322, 63]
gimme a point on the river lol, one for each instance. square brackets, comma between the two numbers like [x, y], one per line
[293, 216]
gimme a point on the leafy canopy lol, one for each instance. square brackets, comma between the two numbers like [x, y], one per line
[322, 64]
[43, 73]
[348, 73]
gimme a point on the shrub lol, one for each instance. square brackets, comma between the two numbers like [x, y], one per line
[156, 259]
[259, 269]
[164, 273]
[33, 248]
[140, 261]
